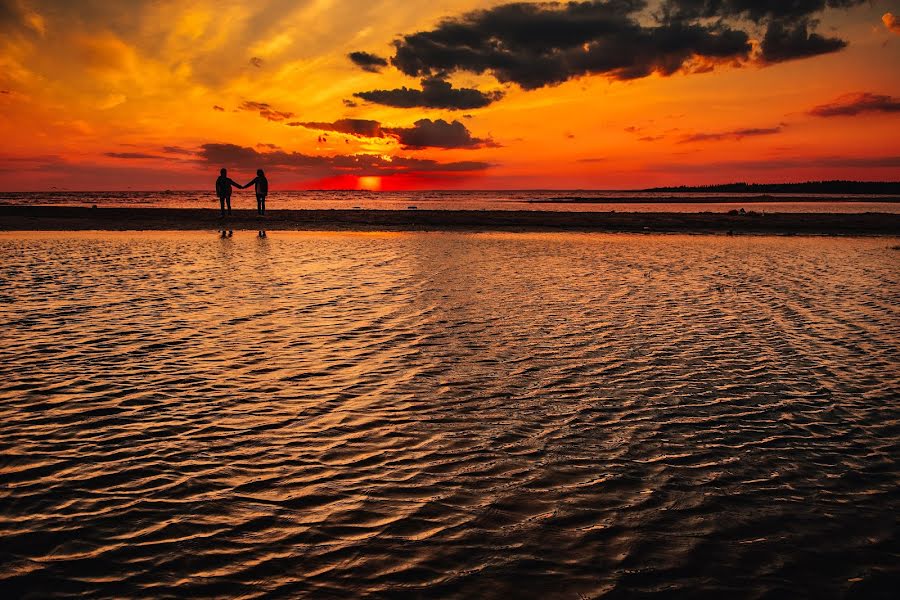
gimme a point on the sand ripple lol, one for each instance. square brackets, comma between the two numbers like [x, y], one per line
[442, 415]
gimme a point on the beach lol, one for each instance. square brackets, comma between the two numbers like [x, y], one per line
[68, 218]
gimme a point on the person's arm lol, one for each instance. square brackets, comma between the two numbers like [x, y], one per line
[251, 182]
[234, 183]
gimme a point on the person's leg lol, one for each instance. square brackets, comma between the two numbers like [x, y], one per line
[222, 204]
[258, 204]
[264, 205]
[228, 200]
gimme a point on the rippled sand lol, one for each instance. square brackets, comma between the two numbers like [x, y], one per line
[448, 415]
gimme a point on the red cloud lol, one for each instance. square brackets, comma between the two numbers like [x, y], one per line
[854, 104]
[891, 22]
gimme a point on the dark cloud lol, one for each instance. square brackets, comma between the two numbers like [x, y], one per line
[14, 17]
[737, 134]
[265, 111]
[424, 133]
[854, 104]
[135, 156]
[257, 62]
[218, 108]
[30, 163]
[536, 45]
[435, 93]
[354, 127]
[176, 150]
[754, 10]
[789, 23]
[791, 41]
[367, 61]
[349, 103]
[241, 157]
[540, 44]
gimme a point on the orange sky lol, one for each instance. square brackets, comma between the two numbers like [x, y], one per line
[158, 94]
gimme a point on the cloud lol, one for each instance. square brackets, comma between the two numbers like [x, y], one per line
[784, 42]
[355, 127]
[753, 10]
[16, 17]
[435, 93]
[424, 133]
[265, 111]
[854, 104]
[367, 61]
[176, 150]
[256, 62]
[218, 108]
[534, 45]
[135, 156]
[357, 164]
[736, 135]
[891, 22]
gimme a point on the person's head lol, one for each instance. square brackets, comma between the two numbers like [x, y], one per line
[260, 173]
[223, 172]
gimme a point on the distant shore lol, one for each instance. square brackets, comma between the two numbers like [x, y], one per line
[54, 218]
[738, 200]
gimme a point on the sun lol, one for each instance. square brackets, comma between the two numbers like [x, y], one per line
[372, 184]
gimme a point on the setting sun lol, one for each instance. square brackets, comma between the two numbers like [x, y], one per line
[372, 184]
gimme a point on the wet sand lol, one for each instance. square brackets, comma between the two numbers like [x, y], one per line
[53, 218]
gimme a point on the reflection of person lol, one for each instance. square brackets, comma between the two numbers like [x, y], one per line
[262, 190]
[223, 190]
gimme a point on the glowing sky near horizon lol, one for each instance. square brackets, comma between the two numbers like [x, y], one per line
[159, 94]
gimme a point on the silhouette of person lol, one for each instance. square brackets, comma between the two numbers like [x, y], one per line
[262, 190]
[223, 190]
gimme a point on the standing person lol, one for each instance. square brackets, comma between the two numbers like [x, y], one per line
[223, 190]
[262, 190]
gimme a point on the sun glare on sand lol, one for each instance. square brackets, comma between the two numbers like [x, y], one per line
[373, 184]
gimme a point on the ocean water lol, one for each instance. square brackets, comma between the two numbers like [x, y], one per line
[448, 415]
[589, 201]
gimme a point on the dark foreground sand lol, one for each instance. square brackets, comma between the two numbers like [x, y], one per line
[55, 218]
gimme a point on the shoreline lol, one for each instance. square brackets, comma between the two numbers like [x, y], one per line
[742, 200]
[55, 218]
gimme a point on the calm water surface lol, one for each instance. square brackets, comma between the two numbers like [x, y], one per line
[474, 200]
[448, 415]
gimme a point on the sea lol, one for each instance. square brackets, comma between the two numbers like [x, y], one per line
[448, 415]
[541, 200]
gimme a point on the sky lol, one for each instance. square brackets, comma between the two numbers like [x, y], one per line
[446, 94]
